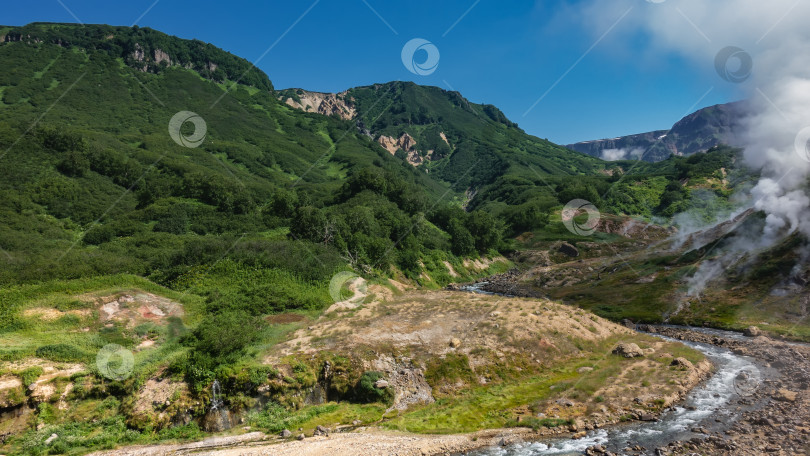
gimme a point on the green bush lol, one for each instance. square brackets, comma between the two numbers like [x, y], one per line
[98, 234]
[62, 353]
[30, 375]
[366, 392]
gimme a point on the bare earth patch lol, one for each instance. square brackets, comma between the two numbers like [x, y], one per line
[134, 307]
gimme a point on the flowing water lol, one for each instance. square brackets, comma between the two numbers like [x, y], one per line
[710, 403]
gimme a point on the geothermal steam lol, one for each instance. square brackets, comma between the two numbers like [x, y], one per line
[776, 37]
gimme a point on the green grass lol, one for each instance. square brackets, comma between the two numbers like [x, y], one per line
[275, 418]
[346, 413]
[480, 408]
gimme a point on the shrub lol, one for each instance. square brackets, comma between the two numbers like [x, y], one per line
[61, 353]
[365, 391]
[98, 234]
[30, 375]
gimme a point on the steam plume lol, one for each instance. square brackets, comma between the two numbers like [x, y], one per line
[772, 132]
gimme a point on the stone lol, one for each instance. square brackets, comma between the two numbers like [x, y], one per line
[320, 430]
[585, 369]
[51, 439]
[630, 350]
[356, 423]
[455, 342]
[568, 249]
[286, 434]
[681, 362]
[381, 384]
[564, 402]
[647, 417]
[785, 395]
[752, 331]
[301, 437]
[628, 323]
[217, 420]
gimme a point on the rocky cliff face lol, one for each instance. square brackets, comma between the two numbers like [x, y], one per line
[695, 133]
[407, 144]
[341, 105]
[323, 103]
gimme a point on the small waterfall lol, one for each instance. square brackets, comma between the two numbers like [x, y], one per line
[218, 417]
[215, 401]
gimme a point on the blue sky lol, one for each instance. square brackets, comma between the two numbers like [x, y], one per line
[509, 56]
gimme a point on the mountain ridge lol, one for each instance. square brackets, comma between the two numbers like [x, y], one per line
[695, 133]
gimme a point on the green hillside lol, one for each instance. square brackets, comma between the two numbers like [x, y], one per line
[201, 259]
[95, 185]
[481, 143]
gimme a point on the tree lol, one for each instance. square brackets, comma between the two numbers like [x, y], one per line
[310, 223]
[462, 242]
[485, 230]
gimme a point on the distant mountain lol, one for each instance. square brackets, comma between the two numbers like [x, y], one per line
[697, 132]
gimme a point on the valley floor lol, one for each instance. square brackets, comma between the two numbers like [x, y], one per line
[771, 420]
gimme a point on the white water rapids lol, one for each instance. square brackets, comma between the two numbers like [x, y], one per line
[707, 402]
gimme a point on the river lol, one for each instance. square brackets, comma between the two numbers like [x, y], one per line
[712, 405]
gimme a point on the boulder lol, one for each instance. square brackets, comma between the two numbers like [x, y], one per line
[381, 384]
[568, 249]
[217, 420]
[300, 437]
[286, 434]
[628, 323]
[320, 430]
[681, 362]
[564, 402]
[647, 417]
[455, 342]
[630, 350]
[752, 331]
[785, 395]
[595, 450]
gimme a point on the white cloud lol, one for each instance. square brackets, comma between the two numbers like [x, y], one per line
[776, 36]
[621, 154]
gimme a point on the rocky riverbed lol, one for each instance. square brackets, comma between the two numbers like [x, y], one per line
[506, 284]
[774, 417]
[760, 410]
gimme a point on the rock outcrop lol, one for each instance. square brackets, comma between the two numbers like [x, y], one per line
[752, 331]
[630, 350]
[404, 142]
[327, 104]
